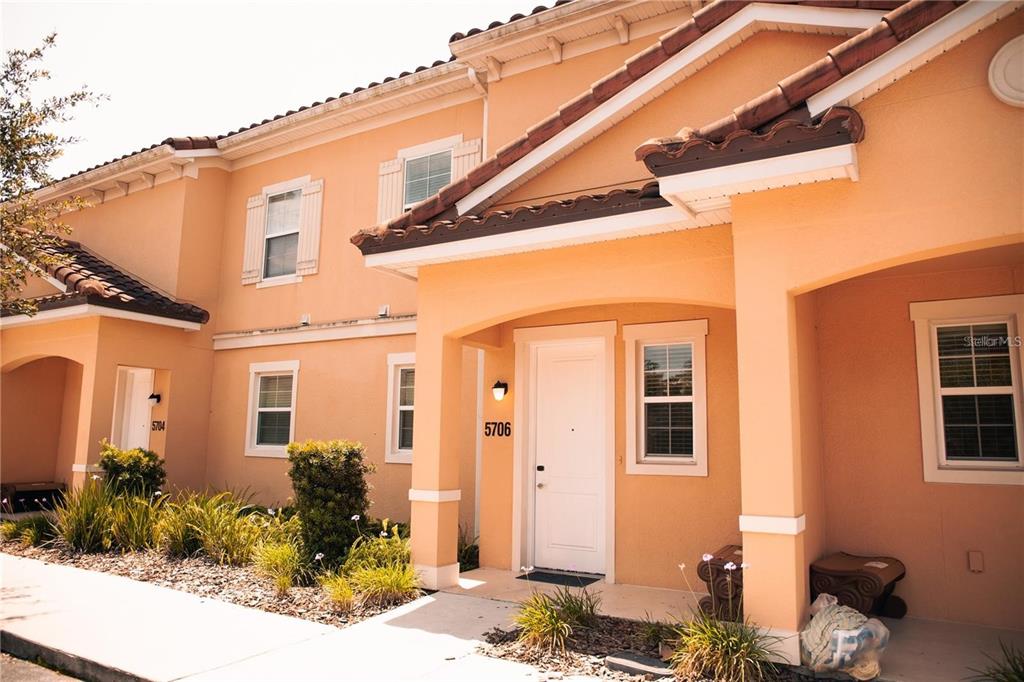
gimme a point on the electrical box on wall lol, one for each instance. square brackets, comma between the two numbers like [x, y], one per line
[975, 562]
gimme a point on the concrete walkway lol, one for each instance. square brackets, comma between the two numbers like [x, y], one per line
[115, 628]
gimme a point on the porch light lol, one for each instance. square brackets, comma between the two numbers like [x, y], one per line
[154, 399]
[499, 389]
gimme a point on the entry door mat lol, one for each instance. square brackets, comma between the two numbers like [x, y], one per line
[564, 579]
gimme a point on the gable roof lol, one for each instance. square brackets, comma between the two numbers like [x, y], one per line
[93, 280]
[442, 206]
[786, 101]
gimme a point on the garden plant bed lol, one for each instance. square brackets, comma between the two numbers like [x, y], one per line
[585, 650]
[240, 585]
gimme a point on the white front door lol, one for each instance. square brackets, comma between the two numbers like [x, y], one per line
[132, 411]
[569, 452]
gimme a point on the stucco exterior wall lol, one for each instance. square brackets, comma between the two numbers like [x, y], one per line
[32, 405]
[660, 521]
[876, 500]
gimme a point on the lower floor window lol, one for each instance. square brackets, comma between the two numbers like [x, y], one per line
[271, 407]
[401, 408]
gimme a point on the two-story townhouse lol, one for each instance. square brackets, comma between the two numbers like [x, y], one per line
[660, 277]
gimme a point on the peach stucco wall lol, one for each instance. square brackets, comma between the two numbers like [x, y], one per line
[31, 412]
[660, 521]
[876, 500]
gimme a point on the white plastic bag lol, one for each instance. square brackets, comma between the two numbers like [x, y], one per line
[839, 638]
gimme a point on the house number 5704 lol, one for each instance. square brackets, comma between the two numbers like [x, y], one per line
[502, 429]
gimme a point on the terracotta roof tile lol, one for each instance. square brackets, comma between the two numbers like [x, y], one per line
[671, 43]
[177, 143]
[560, 211]
[90, 279]
[792, 133]
[495, 24]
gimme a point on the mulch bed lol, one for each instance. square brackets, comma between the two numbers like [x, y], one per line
[235, 584]
[584, 651]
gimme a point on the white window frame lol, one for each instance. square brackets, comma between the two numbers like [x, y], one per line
[272, 191]
[408, 154]
[257, 370]
[392, 453]
[636, 336]
[927, 317]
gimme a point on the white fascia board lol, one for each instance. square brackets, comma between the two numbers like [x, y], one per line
[359, 329]
[919, 48]
[133, 163]
[90, 310]
[626, 101]
[772, 173]
[633, 224]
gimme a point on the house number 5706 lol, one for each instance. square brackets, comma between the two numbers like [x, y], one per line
[502, 429]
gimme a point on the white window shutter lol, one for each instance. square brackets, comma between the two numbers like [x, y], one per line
[255, 226]
[310, 215]
[465, 156]
[391, 191]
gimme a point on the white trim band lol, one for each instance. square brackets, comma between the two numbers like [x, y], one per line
[434, 495]
[89, 310]
[332, 331]
[773, 525]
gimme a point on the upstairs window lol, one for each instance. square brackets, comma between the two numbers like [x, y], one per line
[426, 175]
[282, 236]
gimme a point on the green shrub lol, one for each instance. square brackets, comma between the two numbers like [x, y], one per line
[227, 530]
[83, 518]
[654, 632]
[723, 650]
[579, 608]
[388, 548]
[338, 590]
[469, 550]
[132, 472]
[30, 531]
[133, 524]
[1008, 668]
[542, 624]
[178, 532]
[386, 585]
[282, 562]
[331, 492]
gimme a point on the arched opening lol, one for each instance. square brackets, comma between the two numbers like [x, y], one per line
[40, 411]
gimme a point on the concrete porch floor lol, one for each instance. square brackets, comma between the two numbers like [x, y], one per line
[919, 650]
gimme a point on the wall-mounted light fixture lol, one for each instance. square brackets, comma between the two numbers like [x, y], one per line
[154, 399]
[499, 389]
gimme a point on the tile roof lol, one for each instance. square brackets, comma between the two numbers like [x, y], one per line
[515, 17]
[176, 143]
[90, 279]
[560, 211]
[791, 134]
[702, 21]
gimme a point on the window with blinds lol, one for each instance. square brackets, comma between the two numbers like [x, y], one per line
[426, 175]
[976, 392]
[401, 412]
[668, 400]
[274, 409]
[405, 407]
[281, 246]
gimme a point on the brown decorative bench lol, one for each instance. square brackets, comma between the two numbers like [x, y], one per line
[864, 583]
[725, 587]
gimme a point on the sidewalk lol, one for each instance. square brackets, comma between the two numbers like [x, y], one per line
[123, 629]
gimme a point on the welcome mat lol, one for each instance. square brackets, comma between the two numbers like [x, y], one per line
[564, 579]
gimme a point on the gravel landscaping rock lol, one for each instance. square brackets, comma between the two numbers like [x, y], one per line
[235, 584]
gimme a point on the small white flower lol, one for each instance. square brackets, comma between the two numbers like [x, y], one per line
[730, 566]
[270, 511]
[744, 565]
[522, 569]
[355, 517]
[5, 501]
[319, 556]
[682, 567]
[707, 557]
[383, 533]
[529, 568]
[95, 477]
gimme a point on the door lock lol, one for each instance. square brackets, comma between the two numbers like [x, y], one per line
[540, 485]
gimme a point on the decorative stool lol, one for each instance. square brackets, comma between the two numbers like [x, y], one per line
[864, 583]
[725, 587]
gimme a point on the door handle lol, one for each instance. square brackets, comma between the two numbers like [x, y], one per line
[540, 485]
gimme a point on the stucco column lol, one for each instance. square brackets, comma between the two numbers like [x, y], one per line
[775, 582]
[435, 493]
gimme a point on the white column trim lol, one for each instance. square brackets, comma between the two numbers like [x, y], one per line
[774, 525]
[434, 495]
[86, 468]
